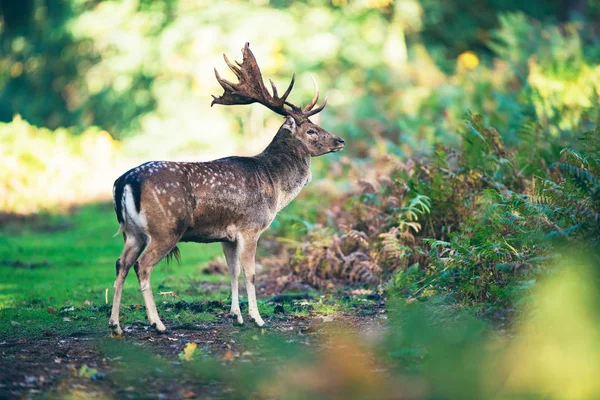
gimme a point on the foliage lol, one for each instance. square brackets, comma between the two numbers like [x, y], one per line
[479, 222]
[42, 168]
[561, 70]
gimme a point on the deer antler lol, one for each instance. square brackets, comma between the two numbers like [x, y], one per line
[251, 89]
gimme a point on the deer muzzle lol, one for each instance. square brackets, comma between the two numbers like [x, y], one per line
[338, 144]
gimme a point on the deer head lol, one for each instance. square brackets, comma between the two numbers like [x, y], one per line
[251, 89]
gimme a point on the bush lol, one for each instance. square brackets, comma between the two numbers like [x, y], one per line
[42, 169]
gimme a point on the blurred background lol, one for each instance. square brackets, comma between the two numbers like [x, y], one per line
[462, 217]
[90, 88]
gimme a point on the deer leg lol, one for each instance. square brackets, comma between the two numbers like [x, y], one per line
[130, 252]
[248, 263]
[232, 255]
[155, 251]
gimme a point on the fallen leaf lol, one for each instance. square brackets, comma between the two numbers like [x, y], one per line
[309, 329]
[86, 372]
[188, 352]
[51, 310]
[229, 355]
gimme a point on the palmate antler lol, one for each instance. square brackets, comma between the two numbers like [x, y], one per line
[251, 89]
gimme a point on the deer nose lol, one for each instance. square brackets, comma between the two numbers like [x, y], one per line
[340, 140]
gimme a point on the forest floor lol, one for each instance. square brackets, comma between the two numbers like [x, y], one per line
[56, 275]
[145, 364]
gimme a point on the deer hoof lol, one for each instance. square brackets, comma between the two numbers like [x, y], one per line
[258, 322]
[159, 327]
[115, 330]
[237, 319]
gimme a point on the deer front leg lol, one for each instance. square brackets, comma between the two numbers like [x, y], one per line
[232, 255]
[248, 263]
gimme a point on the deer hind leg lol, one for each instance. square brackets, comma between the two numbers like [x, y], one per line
[232, 255]
[248, 255]
[130, 253]
[155, 251]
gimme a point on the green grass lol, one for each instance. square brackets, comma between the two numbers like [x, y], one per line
[80, 252]
[57, 273]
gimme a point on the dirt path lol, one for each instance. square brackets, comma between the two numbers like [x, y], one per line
[99, 366]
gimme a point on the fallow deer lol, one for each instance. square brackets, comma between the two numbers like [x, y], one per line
[231, 200]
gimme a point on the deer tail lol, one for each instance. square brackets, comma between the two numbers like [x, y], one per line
[174, 254]
[119, 231]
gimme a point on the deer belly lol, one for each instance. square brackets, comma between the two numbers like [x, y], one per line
[223, 224]
[210, 228]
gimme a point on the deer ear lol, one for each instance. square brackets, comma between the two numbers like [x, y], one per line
[289, 124]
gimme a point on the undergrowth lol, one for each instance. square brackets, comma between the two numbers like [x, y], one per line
[478, 223]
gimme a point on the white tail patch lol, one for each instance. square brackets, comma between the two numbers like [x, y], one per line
[133, 221]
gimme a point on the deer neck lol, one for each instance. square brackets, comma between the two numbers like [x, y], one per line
[286, 161]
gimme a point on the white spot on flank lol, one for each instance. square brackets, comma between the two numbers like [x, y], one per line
[172, 198]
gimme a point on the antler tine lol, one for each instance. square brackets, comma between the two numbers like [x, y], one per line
[315, 98]
[224, 83]
[289, 89]
[274, 88]
[236, 70]
[316, 110]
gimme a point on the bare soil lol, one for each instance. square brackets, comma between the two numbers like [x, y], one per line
[52, 366]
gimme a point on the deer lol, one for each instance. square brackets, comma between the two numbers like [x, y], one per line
[231, 200]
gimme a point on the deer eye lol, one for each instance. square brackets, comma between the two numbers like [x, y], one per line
[311, 132]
